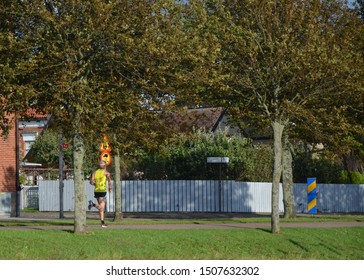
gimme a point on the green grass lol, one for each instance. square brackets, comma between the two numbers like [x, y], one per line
[193, 244]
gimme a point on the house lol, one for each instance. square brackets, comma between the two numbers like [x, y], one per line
[13, 149]
[29, 129]
[211, 120]
[188, 120]
[8, 171]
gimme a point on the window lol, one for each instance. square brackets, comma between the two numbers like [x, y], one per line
[29, 138]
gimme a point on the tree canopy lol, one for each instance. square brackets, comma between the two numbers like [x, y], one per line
[89, 64]
[281, 62]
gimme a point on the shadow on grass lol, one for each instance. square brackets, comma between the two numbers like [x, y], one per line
[266, 230]
[298, 245]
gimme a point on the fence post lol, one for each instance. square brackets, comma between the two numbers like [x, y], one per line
[61, 214]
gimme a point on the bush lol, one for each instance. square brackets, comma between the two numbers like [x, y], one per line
[186, 159]
[325, 170]
[352, 177]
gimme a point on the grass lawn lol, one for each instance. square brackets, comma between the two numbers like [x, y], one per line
[193, 244]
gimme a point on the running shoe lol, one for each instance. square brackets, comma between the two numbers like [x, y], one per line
[90, 205]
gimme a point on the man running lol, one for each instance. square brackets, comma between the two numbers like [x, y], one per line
[98, 179]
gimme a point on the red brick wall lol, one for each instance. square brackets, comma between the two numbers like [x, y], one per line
[8, 162]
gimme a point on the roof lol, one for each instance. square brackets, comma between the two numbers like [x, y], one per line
[188, 120]
[33, 114]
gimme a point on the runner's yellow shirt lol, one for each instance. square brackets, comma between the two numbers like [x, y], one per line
[100, 180]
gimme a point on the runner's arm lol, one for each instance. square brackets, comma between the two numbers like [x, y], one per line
[92, 179]
[108, 177]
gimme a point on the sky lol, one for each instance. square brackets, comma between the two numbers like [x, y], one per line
[351, 2]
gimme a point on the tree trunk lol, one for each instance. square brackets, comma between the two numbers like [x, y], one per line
[80, 192]
[277, 171]
[118, 215]
[287, 180]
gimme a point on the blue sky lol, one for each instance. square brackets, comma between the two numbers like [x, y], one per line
[351, 2]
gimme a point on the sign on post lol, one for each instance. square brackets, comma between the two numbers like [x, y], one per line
[220, 161]
[217, 160]
[65, 145]
[105, 150]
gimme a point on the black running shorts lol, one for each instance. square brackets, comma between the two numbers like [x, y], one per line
[100, 194]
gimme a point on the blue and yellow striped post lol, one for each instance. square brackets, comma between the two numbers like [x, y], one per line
[311, 195]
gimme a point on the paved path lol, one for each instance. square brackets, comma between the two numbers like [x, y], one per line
[193, 225]
[197, 226]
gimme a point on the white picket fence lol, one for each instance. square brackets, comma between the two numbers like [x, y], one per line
[205, 196]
